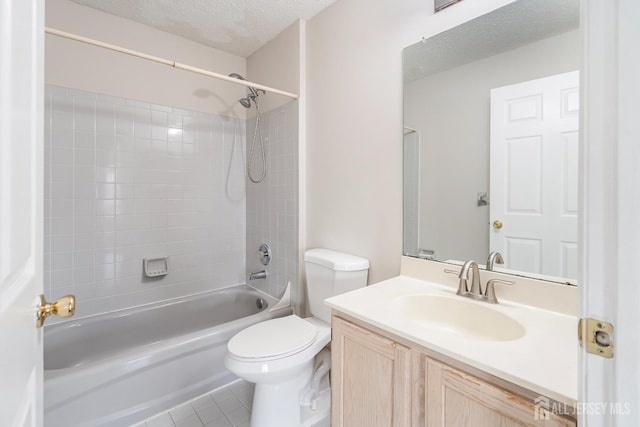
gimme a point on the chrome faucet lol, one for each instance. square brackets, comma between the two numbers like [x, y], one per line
[494, 257]
[259, 275]
[475, 280]
[475, 292]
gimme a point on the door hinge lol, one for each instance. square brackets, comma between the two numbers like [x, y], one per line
[596, 336]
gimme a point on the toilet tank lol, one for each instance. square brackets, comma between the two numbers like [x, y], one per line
[331, 273]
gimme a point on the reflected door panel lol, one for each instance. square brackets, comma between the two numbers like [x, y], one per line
[534, 175]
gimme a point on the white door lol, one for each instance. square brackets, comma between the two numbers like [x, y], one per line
[534, 175]
[610, 208]
[21, 204]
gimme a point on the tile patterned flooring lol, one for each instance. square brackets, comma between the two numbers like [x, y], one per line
[229, 406]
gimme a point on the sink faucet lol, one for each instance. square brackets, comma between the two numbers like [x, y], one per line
[494, 257]
[464, 277]
[475, 292]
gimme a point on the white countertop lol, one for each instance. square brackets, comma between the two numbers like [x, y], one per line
[544, 359]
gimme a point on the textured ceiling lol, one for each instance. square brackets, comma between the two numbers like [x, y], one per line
[509, 27]
[239, 27]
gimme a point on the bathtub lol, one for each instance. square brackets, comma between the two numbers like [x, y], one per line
[119, 368]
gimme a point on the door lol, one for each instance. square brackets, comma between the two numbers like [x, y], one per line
[534, 175]
[21, 204]
[610, 208]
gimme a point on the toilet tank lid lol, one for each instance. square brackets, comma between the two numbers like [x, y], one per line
[336, 261]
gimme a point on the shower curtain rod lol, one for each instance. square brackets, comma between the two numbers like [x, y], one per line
[168, 62]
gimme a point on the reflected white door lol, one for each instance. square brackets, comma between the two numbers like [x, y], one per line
[21, 204]
[534, 175]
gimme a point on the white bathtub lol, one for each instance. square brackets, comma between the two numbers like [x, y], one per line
[119, 368]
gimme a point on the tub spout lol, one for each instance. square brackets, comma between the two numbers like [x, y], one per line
[259, 275]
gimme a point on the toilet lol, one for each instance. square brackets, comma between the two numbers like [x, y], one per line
[284, 357]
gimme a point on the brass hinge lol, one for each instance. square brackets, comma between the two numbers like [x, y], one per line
[596, 336]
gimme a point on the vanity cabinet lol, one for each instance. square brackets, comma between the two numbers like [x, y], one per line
[454, 398]
[372, 374]
[379, 380]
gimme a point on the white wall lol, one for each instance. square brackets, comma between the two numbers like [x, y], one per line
[354, 122]
[451, 112]
[77, 65]
[276, 64]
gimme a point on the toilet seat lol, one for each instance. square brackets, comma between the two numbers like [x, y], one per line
[273, 339]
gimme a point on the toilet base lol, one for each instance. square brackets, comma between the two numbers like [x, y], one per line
[278, 404]
[320, 416]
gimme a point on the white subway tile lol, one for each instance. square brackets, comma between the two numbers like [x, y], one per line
[84, 139]
[62, 225]
[83, 190]
[84, 174]
[105, 207]
[105, 256]
[84, 258]
[61, 278]
[105, 240]
[159, 117]
[105, 273]
[61, 173]
[84, 157]
[125, 206]
[62, 261]
[126, 191]
[130, 268]
[83, 275]
[159, 132]
[105, 191]
[124, 143]
[61, 190]
[83, 241]
[62, 155]
[84, 223]
[105, 223]
[61, 207]
[84, 207]
[105, 158]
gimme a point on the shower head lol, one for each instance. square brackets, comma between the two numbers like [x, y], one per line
[237, 76]
[246, 102]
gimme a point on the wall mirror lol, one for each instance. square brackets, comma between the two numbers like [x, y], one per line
[491, 140]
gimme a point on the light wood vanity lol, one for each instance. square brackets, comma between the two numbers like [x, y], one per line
[379, 379]
[390, 368]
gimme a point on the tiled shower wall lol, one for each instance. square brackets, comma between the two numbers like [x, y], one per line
[411, 189]
[272, 205]
[125, 180]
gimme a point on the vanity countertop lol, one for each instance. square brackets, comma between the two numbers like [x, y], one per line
[544, 359]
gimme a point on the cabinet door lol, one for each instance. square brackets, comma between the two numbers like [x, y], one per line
[456, 399]
[370, 379]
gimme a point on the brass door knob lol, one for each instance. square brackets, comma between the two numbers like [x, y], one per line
[63, 307]
[497, 224]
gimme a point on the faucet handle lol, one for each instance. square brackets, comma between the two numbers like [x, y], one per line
[462, 285]
[490, 292]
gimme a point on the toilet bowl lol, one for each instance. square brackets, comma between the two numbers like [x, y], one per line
[281, 368]
[283, 356]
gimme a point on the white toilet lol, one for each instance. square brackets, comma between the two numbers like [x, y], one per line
[279, 355]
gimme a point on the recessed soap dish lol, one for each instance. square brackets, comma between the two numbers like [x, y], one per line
[154, 267]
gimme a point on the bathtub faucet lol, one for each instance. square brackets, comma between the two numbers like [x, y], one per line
[259, 275]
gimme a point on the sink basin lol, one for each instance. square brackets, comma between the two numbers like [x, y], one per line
[459, 316]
